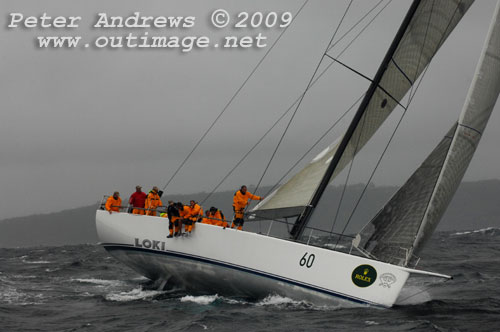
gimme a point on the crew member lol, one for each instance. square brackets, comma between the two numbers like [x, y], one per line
[113, 203]
[138, 201]
[240, 202]
[183, 213]
[215, 217]
[207, 219]
[174, 222]
[195, 212]
[152, 202]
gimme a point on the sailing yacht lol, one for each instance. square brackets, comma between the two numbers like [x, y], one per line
[384, 252]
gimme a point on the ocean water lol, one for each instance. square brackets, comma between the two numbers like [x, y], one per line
[82, 288]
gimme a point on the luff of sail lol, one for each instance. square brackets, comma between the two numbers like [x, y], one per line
[431, 24]
[396, 235]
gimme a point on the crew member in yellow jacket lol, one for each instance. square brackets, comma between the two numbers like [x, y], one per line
[240, 202]
[152, 202]
[114, 203]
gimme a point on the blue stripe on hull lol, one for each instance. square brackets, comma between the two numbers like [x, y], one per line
[112, 247]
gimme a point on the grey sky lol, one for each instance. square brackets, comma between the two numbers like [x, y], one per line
[78, 124]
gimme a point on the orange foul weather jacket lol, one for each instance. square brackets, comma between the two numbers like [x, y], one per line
[215, 218]
[113, 204]
[240, 201]
[184, 212]
[152, 202]
[194, 213]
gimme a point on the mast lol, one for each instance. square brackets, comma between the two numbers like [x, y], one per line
[303, 219]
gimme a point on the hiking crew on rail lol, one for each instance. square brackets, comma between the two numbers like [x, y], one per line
[178, 213]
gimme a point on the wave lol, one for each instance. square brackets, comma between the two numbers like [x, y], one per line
[99, 282]
[36, 262]
[204, 299]
[487, 231]
[285, 302]
[371, 322]
[133, 295]
[276, 300]
[10, 295]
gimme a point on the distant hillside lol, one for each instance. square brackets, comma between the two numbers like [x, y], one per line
[474, 206]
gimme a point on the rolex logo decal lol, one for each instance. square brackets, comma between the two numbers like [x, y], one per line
[364, 275]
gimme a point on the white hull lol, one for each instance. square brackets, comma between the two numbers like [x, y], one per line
[225, 261]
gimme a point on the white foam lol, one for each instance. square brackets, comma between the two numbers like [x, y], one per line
[371, 322]
[133, 295]
[11, 295]
[21, 276]
[204, 300]
[36, 262]
[482, 230]
[141, 278]
[274, 300]
[100, 282]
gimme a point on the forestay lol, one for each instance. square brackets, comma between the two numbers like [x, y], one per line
[402, 227]
[431, 24]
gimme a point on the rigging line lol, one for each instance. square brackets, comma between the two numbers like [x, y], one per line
[272, 127]
[366, 77]
[233, 97]
[246, 154]
[347, 180]
[363, 30]
[371, 176]
[316, 143]
[302, 98]
[355, 25]
[350, 68]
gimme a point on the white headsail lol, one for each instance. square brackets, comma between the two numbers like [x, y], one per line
[402, 227]
[430, 26]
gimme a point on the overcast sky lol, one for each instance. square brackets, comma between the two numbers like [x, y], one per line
[76, 124]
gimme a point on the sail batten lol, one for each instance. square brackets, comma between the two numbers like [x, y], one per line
[428, 28]
[397, 237]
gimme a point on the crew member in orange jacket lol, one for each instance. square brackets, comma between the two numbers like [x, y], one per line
[183, 213]
[152, 202]
[240, 202]
[195, 212]
[138, 201]
[215, 217]
[113, 203]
